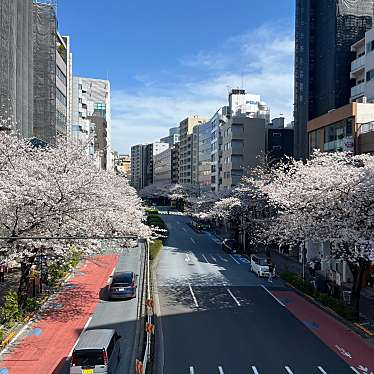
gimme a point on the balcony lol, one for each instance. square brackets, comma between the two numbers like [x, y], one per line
[358, 90]
[357, 66]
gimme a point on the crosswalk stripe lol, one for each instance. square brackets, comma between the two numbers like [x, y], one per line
[192, 371]
[232, 295]
[205, 258]
[255, 371]
[321, 369]
[355, 370]
[289, 371]
[220, 370]
[234, 259]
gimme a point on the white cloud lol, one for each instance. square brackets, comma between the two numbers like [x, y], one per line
[262, 59]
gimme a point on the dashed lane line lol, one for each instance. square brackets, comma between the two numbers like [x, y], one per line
[213, 258]
[192, 371]
[233, 296]
[205, 258]
[223, 259]
[255, 371]
[235, 259]
[289, 371]
[193, 295]
[184, 229]
[321, 369]
[193, 241]
[275, 298]
[220, 370]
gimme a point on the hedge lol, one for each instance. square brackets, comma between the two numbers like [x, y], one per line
[306, 287]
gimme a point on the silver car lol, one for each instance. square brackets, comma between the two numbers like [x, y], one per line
[97, 351]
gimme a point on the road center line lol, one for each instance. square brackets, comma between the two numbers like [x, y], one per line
[289, 371]
[235, 259]
[184, 229]
[193, 295]
[192, 371]
[322, 370]
[255, 371]
[205, 258]
[274, 297]
[232, 295]
[220, 370]
[193, 240]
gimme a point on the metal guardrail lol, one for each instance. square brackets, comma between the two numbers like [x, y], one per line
[141, 366]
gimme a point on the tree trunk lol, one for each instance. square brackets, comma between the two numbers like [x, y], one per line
[358, 271]
[24, 282]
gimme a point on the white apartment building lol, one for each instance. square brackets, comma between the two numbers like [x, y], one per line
[92, 96]
[185, 148]
[362, 69]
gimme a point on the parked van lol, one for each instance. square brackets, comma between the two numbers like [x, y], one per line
[260, 266]
[97, 351]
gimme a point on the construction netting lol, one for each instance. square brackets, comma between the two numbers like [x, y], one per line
[16, 74]
[44, 43]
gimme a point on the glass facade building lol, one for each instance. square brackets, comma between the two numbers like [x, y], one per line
[324, 33]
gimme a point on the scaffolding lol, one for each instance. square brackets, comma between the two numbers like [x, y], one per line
[44, 42]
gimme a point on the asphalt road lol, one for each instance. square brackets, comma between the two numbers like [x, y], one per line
[120, 314]
[217, 317]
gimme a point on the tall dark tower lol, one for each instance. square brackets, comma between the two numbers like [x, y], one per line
[324, 33]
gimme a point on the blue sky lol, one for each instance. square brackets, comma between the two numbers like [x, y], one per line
[170, 59]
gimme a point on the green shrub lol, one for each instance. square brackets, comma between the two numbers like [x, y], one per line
[32, 305]
[151, 211]
[1, 335]
[10, 312]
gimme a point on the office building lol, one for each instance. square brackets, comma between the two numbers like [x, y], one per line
[325, 31]
[185, 147]
[349, 128]
[175, 164]
[172, 138]
[243, 140]
[279, 141]
[201, 156]
[93, 96]
[142, 163]
[16, 65]
[162, 167]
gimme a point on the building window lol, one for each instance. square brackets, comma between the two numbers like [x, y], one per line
[60, 74]
[277, 147]
[277, 134]
[370, 46]
[60, 96]
[369, 75]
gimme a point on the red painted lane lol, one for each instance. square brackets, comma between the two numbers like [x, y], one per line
[348, 345]
[53, 337]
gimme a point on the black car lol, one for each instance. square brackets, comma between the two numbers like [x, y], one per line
[123, 285]
[230, 245]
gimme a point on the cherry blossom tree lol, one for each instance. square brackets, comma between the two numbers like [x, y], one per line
[329, 198]
[58, 192]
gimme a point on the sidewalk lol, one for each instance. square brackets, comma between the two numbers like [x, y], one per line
[283, 263]
[47, 342]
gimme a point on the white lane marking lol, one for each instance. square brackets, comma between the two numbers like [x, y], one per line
[192, 371]
[235, 259]
[274, 297]
[111, 275]
[184, 229]
[193, 295]
[289, 371]
[223, 259]
[320, 368]
[205, 258]
[193, 241]
[213, 258]
[355, 370]
[187, 258]
[232, 295]
[255, 371]
[84, 329]
[220, 370]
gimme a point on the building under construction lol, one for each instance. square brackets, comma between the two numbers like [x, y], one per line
[16, 65]
[325, 31]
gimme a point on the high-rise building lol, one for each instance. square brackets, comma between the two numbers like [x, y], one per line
[93, 96]
[173, 137]
[325, 31]
[185, 147]
[16, 65]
